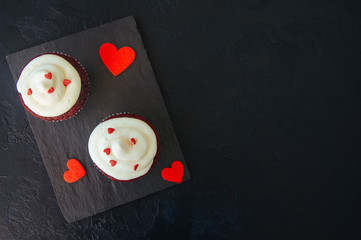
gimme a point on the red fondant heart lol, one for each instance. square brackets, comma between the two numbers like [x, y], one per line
[116, 60]
[75, 172]
[66, 82]
[110, 130]
[112, 162]
[29, 91]
[107, 151]
[175, 173]
[51, 90]
[48, 75]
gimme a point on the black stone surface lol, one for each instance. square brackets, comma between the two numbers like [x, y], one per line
[133, 91]
[265, 100]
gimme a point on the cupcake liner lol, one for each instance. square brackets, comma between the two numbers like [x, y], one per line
[156, 157]
[83, 96]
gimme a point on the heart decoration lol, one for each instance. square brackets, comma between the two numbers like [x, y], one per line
[107, 151]
[174, 173]
[76, 171]
[48, 75]
[116, 60]
[66, 82]
[112, 162]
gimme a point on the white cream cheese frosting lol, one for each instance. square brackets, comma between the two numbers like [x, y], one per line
[123, 148]
[49, 85]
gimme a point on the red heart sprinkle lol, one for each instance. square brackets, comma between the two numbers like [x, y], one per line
[76, 171]
[135, 167]
[66, 82]
[116, 60]
[48, 75]
[30, 92]
[173, 174]
[133, 140]
[51, 90]
[110, 130]
[107, 151]
[112, 162]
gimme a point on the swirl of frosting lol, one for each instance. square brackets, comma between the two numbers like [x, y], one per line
[49, 85]
[123, 148]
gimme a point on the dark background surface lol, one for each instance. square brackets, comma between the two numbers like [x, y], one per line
[264, 97]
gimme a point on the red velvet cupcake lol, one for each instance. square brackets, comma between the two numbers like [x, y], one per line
[53, 87]
[124, 147]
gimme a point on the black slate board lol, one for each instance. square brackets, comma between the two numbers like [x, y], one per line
[135, 91]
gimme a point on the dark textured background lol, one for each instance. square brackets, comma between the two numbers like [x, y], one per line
[265, 100]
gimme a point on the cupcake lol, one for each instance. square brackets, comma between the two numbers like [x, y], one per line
[53, 87]
[124, 147]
